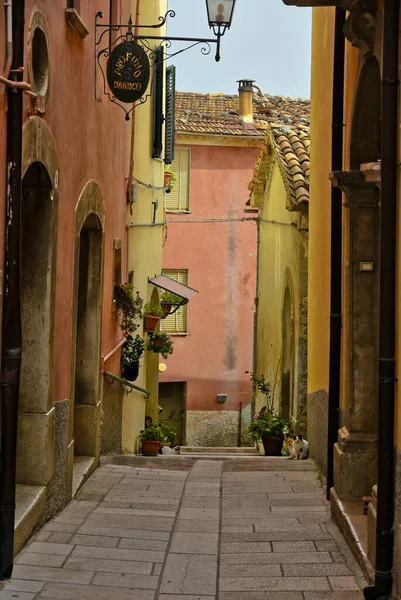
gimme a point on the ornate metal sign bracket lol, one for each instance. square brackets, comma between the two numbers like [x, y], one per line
[113, 60]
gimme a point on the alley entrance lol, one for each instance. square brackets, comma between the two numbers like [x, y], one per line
[172, 401]
[177, 528]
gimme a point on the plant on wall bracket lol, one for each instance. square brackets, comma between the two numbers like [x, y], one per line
[160, 343]
[170, 179]
[129, 308]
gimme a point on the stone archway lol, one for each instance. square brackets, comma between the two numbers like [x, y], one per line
[36, 419]
[86, 381]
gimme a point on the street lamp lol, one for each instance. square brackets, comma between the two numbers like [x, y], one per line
[220, 14]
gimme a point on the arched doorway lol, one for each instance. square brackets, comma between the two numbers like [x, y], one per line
[86, 388]
[287, 357]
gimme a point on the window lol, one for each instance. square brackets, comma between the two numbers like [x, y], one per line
[177, 322]
[178, 199]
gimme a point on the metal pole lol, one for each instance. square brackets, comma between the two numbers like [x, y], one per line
[11, 334]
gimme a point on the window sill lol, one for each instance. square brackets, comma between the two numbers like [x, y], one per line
[179, 212]
[177, 333]
[74, 20]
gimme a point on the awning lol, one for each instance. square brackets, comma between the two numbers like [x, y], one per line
[170, 285]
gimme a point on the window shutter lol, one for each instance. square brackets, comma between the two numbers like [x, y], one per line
[170, 116]
[177, 322]
[158, 104]
[178, 199]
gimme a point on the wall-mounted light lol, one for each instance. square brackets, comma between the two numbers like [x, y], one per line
[221, 398]
[220, 15]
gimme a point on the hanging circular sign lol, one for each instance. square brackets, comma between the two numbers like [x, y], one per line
[128, 72]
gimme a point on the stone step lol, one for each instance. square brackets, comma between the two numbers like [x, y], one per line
[211, 450]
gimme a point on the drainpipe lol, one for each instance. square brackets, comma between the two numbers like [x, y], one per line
[336, 246]
[388, 238]
[11, 333]
[9, 37]
[255, 324]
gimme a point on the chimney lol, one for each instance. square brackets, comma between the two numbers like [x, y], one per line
[245, 91]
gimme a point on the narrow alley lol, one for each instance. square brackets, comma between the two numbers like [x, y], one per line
[180, 528]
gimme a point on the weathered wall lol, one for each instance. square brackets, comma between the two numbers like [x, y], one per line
[217, 351]
[212, 428]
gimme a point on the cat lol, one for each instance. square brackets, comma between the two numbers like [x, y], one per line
[298, 447]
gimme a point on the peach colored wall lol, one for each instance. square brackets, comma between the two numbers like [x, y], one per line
[90, 139]
[221, 259]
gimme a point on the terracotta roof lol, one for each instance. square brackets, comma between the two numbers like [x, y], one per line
[218, 113]
[292, 147]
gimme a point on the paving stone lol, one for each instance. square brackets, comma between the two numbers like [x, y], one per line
[118, 554]
[142, 582]
[272, 570]
[316, 570]
[40, 560]
[294, 548]
[343, 583]
[41, 536]
[240, 528]
[186, 597]
[125, 533]
[194, 543]
[239, 547]
[95, 540]
[200, 502]
[143, 544]
[277, 536]
[51, 574]
[244, 584]
[130, 522]
[343, 595]
[82, 592]
[260, 596]
[135, 512]
[327, 546]
[48, 548]
[16, 595]
[61, 527]
[211, 490]
[109, 566]
[189, 574]
[21, 585]
[275, 558]
[199, 513]
[60, 538]
[157, 569]
[206, 526]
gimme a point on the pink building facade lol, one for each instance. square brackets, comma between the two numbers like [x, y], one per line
[212, 243]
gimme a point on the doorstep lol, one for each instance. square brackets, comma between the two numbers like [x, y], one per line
[82, 469]
[29, 511]
[353, 524]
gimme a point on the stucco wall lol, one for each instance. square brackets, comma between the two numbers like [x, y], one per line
[221, 260]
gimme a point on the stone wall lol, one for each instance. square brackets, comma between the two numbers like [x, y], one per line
[215, 428]
[318, 405]
[245, 422]
[111, 420]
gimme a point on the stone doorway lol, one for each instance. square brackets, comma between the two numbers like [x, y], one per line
[172, 401]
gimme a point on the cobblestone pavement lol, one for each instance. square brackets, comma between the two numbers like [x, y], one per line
[186, 529]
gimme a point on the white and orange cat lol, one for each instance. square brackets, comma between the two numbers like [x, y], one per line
[297, 447]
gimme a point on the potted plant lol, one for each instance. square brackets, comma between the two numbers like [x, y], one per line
[151, 438]
[152, 314]
[169, 434]
[267, 425]
[168, 300]
[133, 350]
[170, 179]
[129, 308]
[160, 343]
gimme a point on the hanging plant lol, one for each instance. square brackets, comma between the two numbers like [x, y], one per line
[129, 308]
[170, 179]
[168, 301]
[161, 343]
[133, 351]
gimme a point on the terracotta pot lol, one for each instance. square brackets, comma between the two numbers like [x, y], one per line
[150, 323]
[158, 344]
[273, 445]
[150, 447]
[167, 178]
[131, 372]
[166, 307]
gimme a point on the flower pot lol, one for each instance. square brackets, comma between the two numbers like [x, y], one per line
[150, 447]
[167, 308]
[167, 178]
[150, 323]
[273, 445]
[131, 372]
[158, 344]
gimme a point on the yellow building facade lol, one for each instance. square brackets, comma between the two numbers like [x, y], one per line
[364, 474]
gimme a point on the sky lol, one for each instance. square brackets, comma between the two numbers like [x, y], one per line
[268, 42]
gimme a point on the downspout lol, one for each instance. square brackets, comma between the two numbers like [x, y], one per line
[9, 37]
[388, 257]
[11, 332]
[255, 324]
[336, 246]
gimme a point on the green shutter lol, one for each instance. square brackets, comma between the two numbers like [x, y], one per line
[178, 199]
[158, 104]
[169, 131]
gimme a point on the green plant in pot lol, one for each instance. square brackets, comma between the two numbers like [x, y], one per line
[152, 314]
[169, 433]
[151, 438]
[133, 351]
[168, 301]
[170, 179]
[161, 343]
[129, 308]
[267, 425]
